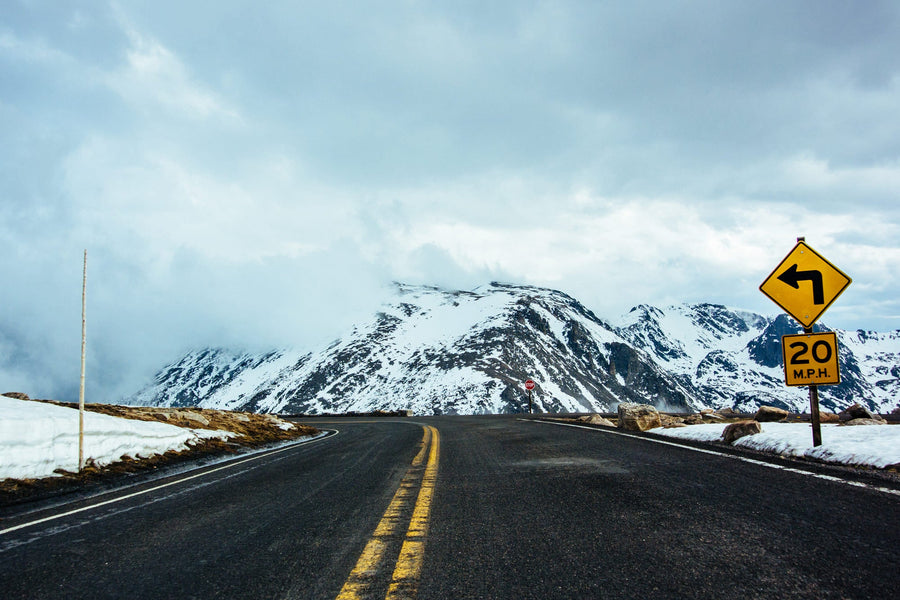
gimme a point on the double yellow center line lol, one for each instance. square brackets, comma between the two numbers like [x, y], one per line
[369, 573]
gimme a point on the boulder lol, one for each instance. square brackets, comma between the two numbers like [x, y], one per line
[16, 395]
[671, 421]
[769, 414]
[192, 416]
[828, 417]
[638, 417]
[728, 412]
[596, 419]
[693, 420]
[856, 411]
[736, 431]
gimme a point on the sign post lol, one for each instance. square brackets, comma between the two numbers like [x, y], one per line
[81, 386]
[809, 358]
[529, 385]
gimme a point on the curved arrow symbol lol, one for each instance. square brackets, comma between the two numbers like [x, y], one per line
[793, 277]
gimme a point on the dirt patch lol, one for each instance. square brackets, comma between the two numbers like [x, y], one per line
[256, 430]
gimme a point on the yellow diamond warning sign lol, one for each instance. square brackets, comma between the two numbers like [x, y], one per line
[811, 359]
[804, 284]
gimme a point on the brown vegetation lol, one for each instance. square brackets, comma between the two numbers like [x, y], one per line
[255, 430]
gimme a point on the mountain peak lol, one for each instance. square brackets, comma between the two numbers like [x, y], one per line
[437, 351]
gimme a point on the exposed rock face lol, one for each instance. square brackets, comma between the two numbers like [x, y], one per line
[734, 358]
[638, 417]
[16, 395]
[768, 414]
[736, 431]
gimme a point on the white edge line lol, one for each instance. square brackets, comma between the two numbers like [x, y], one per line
[164, 485]
[741, 458]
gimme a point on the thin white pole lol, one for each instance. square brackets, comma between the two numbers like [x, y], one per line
[81, 387]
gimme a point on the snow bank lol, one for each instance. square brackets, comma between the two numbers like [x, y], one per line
[874, 445]
[37, 438]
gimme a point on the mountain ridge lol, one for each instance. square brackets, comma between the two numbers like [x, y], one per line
[439, 351]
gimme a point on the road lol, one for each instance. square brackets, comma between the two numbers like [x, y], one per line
[464, 507]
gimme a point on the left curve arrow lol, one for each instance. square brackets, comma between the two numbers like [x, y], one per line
[793, 277]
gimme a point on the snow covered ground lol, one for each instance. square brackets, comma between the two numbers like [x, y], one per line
[870, 445]
[37, 438]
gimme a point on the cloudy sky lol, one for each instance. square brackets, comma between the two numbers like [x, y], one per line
[257, 173]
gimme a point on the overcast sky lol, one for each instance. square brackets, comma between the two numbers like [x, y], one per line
[257, 173]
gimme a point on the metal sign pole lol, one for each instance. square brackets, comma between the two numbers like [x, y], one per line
[530, 411]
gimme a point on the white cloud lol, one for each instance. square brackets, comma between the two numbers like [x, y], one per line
[154, 79]
[256, 176]
[808, 172]
[140, 201]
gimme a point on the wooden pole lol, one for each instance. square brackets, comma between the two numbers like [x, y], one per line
[814, 407]
[813, 396]
[81, 387]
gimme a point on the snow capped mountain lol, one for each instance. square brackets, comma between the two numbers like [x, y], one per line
[467, 352]
[733, 358]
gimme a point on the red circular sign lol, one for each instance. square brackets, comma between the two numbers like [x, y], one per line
[529, 385]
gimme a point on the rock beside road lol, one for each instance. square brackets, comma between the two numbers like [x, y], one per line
[857, 414]
[864, 422]
[638, 417]
[770, 414]
[736, 431]
[596, 420]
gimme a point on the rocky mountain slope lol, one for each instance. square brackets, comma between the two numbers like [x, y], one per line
[467, 352]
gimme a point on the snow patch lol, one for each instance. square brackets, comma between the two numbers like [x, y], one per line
[37, 438]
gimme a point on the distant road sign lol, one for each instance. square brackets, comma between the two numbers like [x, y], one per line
[811, 359]
[529, 385]
[805, 284]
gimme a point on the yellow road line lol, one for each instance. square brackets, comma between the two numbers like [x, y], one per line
[404, 583]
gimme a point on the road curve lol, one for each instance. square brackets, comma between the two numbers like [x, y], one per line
[466, 507]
